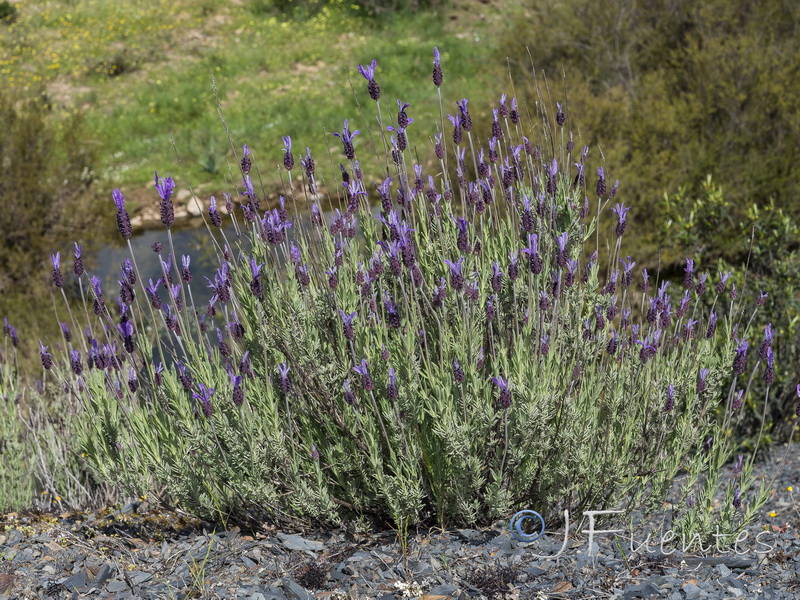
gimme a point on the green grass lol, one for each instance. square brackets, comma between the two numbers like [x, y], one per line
[142, 73]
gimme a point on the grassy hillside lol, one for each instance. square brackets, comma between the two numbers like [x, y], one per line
[140, 73]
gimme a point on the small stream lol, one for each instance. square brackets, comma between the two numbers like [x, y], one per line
[194, 241]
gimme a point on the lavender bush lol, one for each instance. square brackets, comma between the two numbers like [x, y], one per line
[453, 355]
[42, 467]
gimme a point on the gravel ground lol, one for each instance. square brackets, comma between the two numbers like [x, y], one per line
[156, 555]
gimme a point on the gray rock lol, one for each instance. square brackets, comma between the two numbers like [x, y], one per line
[102, 575]
[643, 590]
[296, 590]
[116, 586]
[75, 582]
[443, 590]
[297, 542]
[735, 592]
[692, 591]
[250, 564]
[723, 570]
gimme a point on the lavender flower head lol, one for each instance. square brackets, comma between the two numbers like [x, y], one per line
[688, 274]
[457, 134]
[561, 118]
[246, 163]
[466, 120]
[670, 404]
[437, 69]
[123, 220]
[505, 393]
[620, 210]
[165, 189]
[216, 220]
[458, 372]
[738, 466]
[369, 74]
[347, 323]
[347, 139]
[723, 280]
[288, 158]
[205, 398]
[769, 371]
[77, 265]
[366, 379]
[456, 277]
[701, 382]
[391, 388]
[740, 360]
[58, 278]
[601, 182]
[286, 383]
[47, 359]
[186, 273]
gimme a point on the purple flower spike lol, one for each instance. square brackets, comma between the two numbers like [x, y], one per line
[205, 398]
[561, 257]
[505, 393]
[246, 163]
[216, 220]
[601, 182]
[165, 189]
[514, 113]
[347, 323]
[47, 359]
[738, 466]
[740, 360]
[701, 382]
[561, 118]
[349, 396]
[769, 370]
[286, 384]
[620, 210]
[762, 298]
[369, 74]
[497, 277]
[437, 69]
[391, 389]
[133, 381]
[77, 265]
[366, 379]
[456, 278]
[466, 120]
[688, 274]
[123, 220]
[534, 261]
[737, 497]
[58, 278]
[670, 404]
[458, 372]
[288, 158]
[457, 134]
[186, 273]
[347, 139]
[723, 280]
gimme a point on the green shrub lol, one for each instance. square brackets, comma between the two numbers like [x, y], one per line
[672, 91]
[8, 12]
[769, 239]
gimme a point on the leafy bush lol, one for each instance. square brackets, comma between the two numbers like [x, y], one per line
[8, 12]
[675, 90]
[42, 467]
[770, 240]
[452, 360]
